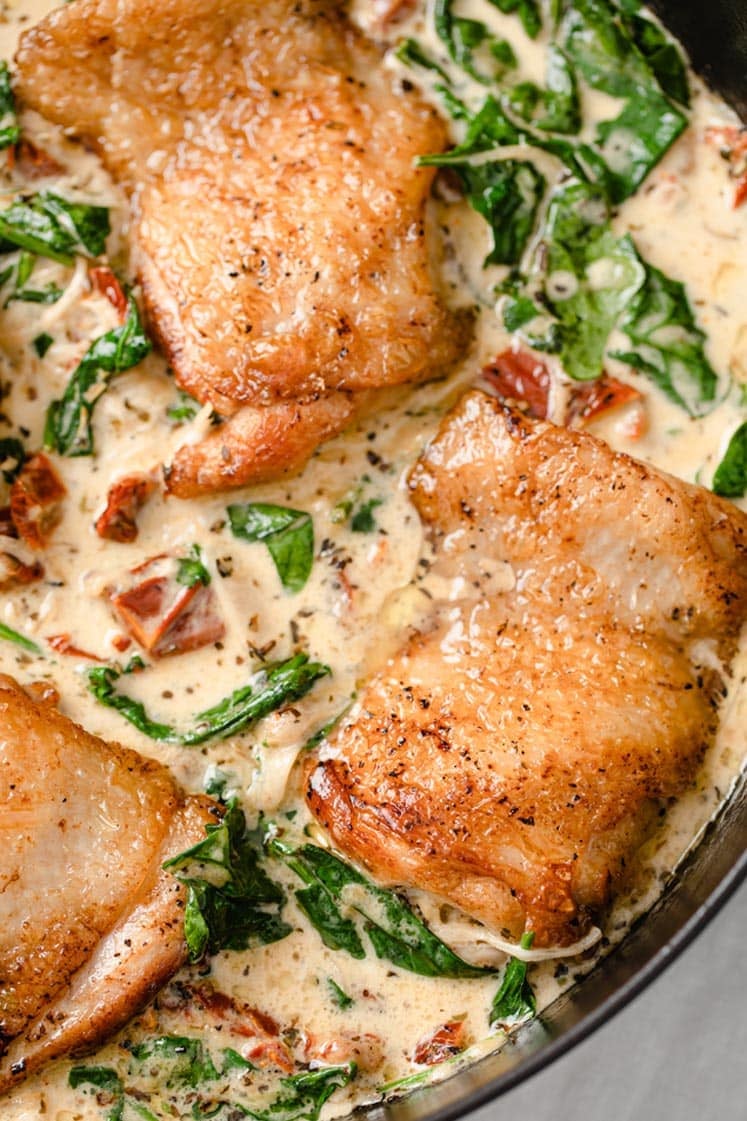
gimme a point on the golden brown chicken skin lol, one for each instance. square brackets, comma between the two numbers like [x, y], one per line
[90, 925]
[278, 220]
[510, 758]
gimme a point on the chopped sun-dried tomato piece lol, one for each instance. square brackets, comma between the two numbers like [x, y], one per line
[125, 498]
[7, 525]
[164, 616]
[441, 1044]
[105, 282]
[35, 497]
[15, 572]
[520, 377]
[63, 644]
[34, 162]
[591, 398]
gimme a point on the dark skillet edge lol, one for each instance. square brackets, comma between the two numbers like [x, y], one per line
[715, 38]
[705, 880]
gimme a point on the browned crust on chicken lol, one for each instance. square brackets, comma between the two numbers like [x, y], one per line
[90, 926]
[510, 759]
[278, 219]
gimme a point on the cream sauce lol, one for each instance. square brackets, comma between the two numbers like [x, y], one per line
[353, 616]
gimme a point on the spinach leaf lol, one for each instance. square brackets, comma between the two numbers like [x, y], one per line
[411, 53]
[527, 11]
[339, 996]
[507, 193]
[68, 429]
[54, 227]
[730, 478]
[10, 635]
[12, 457]
[191, 570]
[42, 343]
[515, 999]
[597, 43]
[486, 129]
[590, 278]
[273, 686]
[187, 1063]
[305, 1094]
[559, 103]
[288, 535]
[395, 932]
[9, 130]
[363, 520]
[104, 1079]
[231, 901]
[460, 36]
[667, 344]
[661, 54]
[628, 147]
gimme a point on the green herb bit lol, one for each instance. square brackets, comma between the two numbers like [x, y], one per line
[53, 227]
[395, 932]
[191, 570]
[730, 478]
[231, 901]
[339, 997]
[667, 344]
[185, 410]
[12, 457]
[10, 635]
[515, 999]
[273, 686]
[288, 535]
[363, 520]
[9, 131]
[305, 1094]
[105, 1080]
[68, 429]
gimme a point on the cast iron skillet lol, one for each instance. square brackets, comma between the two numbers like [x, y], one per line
[715, 36]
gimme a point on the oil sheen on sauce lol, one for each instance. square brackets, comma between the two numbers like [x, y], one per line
[365, 589]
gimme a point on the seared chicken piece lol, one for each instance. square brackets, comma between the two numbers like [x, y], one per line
[278, 221]
[90, 925]
[510, 758]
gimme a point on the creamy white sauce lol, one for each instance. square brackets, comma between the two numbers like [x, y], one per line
[352, 618]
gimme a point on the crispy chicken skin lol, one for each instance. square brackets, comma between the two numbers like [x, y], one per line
[90, 925]
[510, 758]
[278, 222]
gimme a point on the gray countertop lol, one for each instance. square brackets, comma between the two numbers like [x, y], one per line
[677, 1053]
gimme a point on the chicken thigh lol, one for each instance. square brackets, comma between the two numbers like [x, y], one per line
[511, 756]
[90, 925]
[278, 222]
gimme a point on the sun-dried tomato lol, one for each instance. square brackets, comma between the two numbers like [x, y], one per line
[590, 399]
[445, 1041]
[104, 281]
[125, 499]
[35, 499]
[521, 378]
[164, 616]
